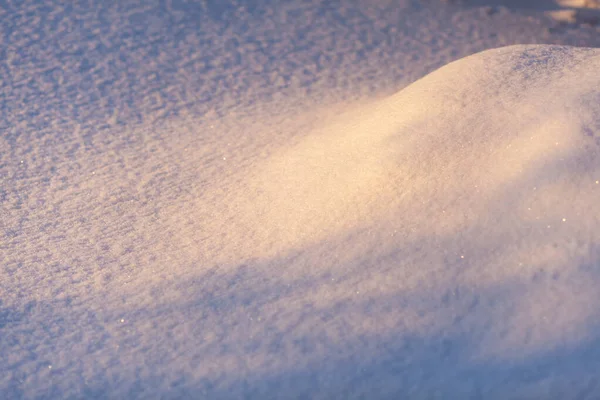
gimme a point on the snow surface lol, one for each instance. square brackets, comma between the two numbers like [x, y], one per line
[244, 199]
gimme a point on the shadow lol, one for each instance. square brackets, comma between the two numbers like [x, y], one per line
[369, 327]
[77, 70]
[537, 5]
[568, 13]
[9, 315]
[427, 367]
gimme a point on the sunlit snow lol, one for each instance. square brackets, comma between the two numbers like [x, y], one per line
[304, 200]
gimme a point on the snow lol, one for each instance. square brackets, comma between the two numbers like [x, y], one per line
[282, 200]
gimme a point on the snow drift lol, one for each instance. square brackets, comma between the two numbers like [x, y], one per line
[476, 186]
[501, 143]
[442, 242]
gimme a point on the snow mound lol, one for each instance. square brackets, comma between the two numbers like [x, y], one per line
[502, 144]
[444, 241]
[481, 177]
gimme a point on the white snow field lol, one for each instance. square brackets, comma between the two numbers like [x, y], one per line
[260, 199]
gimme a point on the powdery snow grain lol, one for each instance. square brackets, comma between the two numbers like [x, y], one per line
[176, 222]
[452, 230]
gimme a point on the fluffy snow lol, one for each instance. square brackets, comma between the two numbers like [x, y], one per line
[252, 200]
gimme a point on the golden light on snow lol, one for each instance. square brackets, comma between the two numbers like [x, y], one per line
[398, 189]
[208, 200]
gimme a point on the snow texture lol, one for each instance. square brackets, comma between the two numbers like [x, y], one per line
[250, 199]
